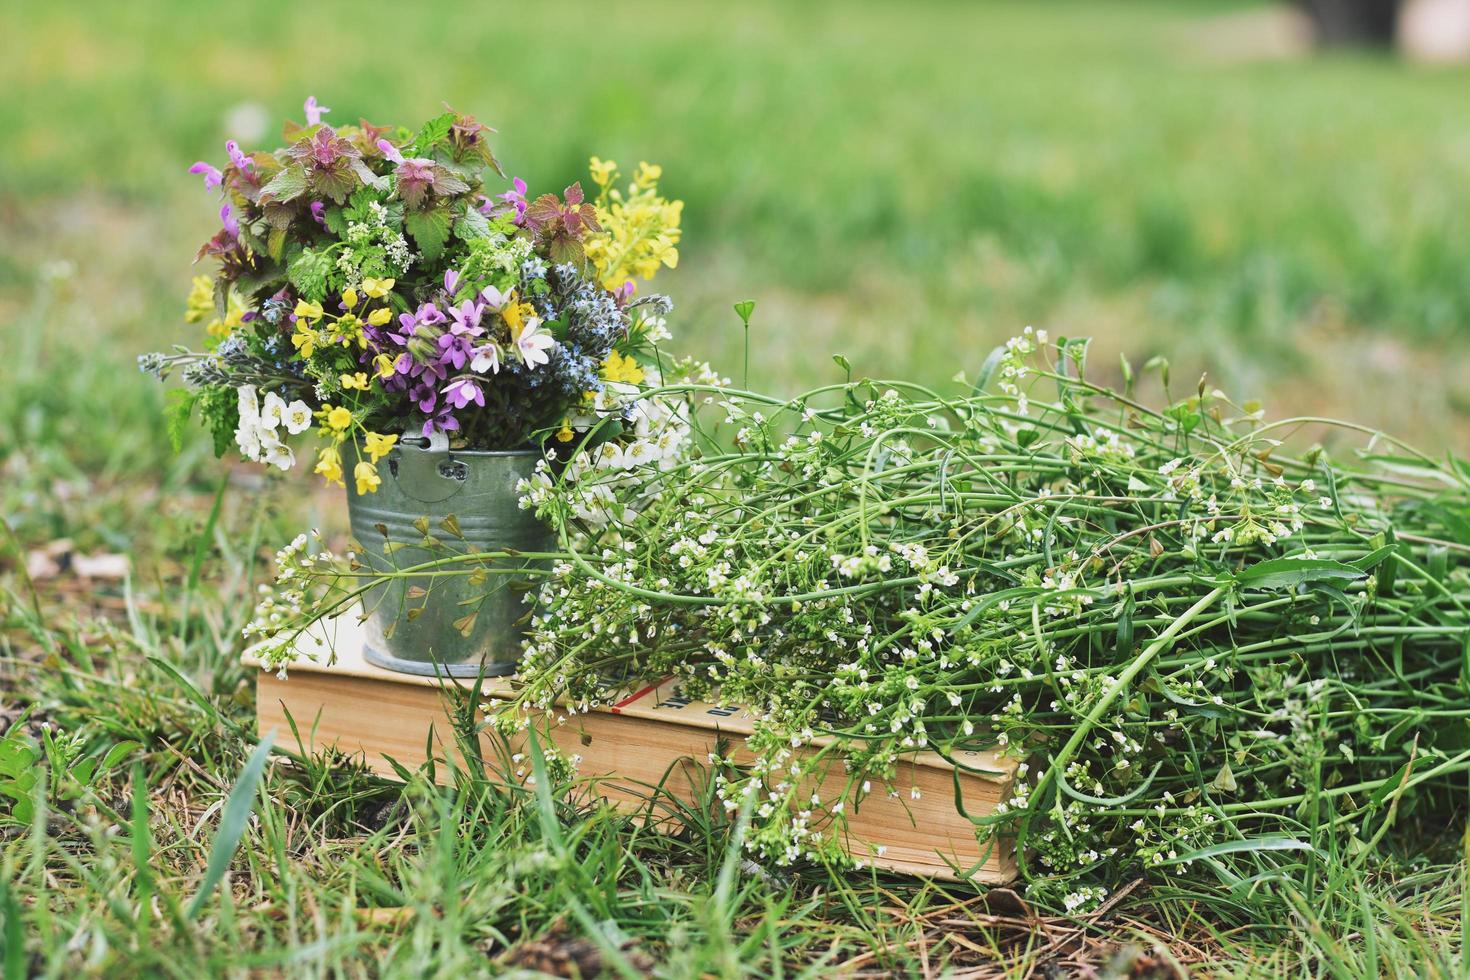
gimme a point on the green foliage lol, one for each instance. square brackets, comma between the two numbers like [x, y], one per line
[19, 772]
[1174, 622]
[178, 410]
[219, 409]
[433, 133]
[430, 230]
[287, 185]
[61, 766]
[310, 273]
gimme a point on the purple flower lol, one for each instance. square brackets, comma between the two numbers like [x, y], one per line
[212, 176]
[451, 279]
[462, 391]
[624, 292]
[231, 225]
[318, 212]
[517, 197]
[240, 160]
[467, 318]
[314, 111]
[454, 348]
[429, 314]
[390, 151]
[441, 421]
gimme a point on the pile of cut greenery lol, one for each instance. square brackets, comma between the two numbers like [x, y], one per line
[1214, 657]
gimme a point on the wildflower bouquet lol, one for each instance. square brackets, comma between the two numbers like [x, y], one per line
[372, 285]
[1212, 656]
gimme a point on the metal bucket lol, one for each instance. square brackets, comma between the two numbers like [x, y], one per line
[419, 624]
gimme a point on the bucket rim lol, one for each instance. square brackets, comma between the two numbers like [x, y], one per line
[485, 453]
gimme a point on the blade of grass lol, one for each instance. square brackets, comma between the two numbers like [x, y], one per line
[232, 823]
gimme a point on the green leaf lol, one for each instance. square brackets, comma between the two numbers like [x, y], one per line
[1287, 573]
[435, 131]
[1249, 845]
[13, 950]
[744, 309]
[987, 370]
[337, 221]
[232, 822]
[471, 225]
[1391, 785]
[176, 414]
[430, 230]
[309, 272]
[285, 186]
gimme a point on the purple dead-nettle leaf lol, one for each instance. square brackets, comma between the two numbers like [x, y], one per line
[467, 138]
[212, 176]
[574, 217]
[415, 180]
[314, 112]
[333, 164]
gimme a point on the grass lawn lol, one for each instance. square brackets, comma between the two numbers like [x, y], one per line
[906, 184]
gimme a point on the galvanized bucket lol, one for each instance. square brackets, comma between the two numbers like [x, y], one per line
[435, 503]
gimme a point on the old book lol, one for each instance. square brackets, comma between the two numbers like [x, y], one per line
[651, 738]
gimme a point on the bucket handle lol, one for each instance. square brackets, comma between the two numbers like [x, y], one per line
[426, 470]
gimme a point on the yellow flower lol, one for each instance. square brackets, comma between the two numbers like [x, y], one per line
[349, 328]
[200, 303]
[602, 171]
[366, 475]
[384, 366]
[338, 418]
[329, 465]
[310, 312]
[639, 233]
[355, 382]
[620, 367]
[379, 317]
[377, 288]
[378, 446]
[515, 316]
[648, 174]
[565, 433]
[349, 297]
[305, 340]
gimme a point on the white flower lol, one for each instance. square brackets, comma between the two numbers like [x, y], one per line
[274, 451]
[494, 298]
[272, 410]
[297, 417]
[532, 343]
[486, 358]
[247, 433]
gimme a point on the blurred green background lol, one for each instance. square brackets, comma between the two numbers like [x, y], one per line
[903, 183]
